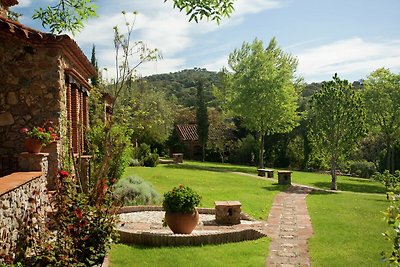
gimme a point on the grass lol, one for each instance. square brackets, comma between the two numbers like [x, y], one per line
[249, 253]
[347, 226]
[347, 229]
[345, 183]
[256, 195]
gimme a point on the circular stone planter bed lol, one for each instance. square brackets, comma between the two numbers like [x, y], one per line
[143, 225]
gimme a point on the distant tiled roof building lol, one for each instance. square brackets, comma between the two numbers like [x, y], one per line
[187, 132]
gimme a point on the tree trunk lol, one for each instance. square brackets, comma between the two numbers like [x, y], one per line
[390, 156]
[333, 174]
[261, 151]
[222, 155]
[392, 169]
[203, 152]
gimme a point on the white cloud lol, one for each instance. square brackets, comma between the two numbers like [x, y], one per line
[160, 26]
[162, 66]
[24, 3]
[349, 56]
[243, 7]
[216, 64]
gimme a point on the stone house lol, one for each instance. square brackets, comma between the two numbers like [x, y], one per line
[43, 77]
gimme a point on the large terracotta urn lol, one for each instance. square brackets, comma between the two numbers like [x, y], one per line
[33, 145]
[182, 223]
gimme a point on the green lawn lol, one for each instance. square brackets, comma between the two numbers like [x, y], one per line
[249, 253]
[347, 229]
[314, 179]
[256, 195]
[347, 226]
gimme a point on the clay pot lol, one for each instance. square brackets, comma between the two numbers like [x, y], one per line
[182, 223]
[33, 145]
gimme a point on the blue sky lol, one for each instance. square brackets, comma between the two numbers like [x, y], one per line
[352, 38]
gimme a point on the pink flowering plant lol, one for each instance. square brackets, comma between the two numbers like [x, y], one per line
[45, 134]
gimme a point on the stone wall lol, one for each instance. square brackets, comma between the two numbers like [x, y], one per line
[20, 195]
[30, 90]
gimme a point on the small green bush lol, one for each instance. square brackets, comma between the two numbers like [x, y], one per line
[392, 215]
[119, 149]
[363, 169]
[181, 199]
[142, 156]
[151, 160]
[246, 151]
[135, 191]
[390, 181]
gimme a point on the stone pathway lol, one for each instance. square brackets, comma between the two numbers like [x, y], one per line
[289, 226]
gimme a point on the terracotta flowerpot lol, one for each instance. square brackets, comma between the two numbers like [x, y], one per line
[33, 145]
[182, 223]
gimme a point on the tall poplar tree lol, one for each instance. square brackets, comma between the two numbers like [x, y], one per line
[336, 121]
[201, 118]
[93, 60]
[261, 89]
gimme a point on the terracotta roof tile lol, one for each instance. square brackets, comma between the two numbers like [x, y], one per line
[9, 2]
[69, 46]
[187, 132]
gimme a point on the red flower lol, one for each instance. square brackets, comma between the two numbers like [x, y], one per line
[63, 174]
[78, 213]
[54, 136]
[83, 223]
[24, 130]
[51, 129]
[40, 129]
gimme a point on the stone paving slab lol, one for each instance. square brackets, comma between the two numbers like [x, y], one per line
[289, 226]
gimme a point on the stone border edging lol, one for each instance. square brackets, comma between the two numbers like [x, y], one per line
[162, 239]
[159, 240]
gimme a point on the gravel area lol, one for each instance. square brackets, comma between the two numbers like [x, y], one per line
[156, 217]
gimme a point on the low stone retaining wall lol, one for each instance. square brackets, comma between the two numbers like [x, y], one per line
[19, 193]
[158, 240]
[227, 234]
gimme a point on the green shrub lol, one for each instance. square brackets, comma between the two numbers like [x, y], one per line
[135, 191]
[317, 161]
[390, 181]
[181, 199]
[134, 162]
[246, 151]
[119, 148]
[362, 168]
[392, 216]
[151, 160]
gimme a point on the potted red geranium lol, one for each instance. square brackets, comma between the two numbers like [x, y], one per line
[38, 137]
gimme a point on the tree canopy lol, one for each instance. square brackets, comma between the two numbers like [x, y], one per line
[70, 15]
[201, 117]
[182, 85]
[261, 89]
[382, 101]
[336, 121]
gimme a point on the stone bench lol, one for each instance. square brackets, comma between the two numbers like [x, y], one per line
[285, 177]
[227, 212]
[270, 173]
